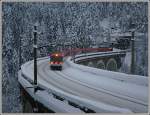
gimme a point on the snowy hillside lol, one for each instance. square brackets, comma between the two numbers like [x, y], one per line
[80, 25]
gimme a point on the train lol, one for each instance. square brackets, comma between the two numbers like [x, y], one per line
[56, 61]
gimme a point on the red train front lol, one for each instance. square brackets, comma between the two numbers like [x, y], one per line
[56, 61]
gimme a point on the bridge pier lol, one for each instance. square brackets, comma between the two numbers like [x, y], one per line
[111, 65]
[91, 64]
[30, 105]
[101, 64]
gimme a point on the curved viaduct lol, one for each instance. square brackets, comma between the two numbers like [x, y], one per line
[79, 88]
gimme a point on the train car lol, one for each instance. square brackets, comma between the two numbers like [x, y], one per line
[56, 61]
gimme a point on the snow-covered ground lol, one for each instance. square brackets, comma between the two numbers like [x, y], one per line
[110, 74]
[95, 88]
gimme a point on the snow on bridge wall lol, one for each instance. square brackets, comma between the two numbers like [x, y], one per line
[103, 60]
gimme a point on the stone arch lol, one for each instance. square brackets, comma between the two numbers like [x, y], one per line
[101, 64]
[111, 64]
[90, 64]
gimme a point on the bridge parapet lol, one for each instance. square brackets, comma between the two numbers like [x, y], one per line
[110, 60]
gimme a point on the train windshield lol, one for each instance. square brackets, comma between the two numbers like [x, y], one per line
[58, 58]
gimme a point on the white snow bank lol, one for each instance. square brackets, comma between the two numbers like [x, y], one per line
[96, 106]
[47, 99]
[135, 88]
[135, 79]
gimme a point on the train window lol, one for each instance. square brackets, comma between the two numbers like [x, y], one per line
[56, 58]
